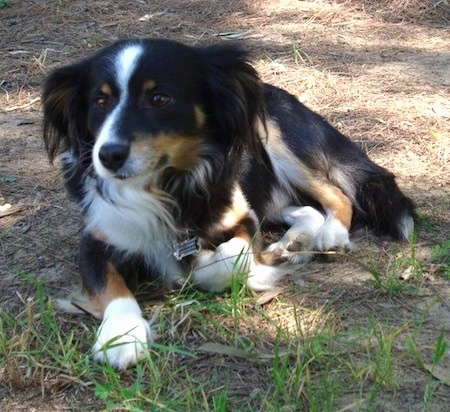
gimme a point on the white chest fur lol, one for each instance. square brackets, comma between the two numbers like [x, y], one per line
[133, 220]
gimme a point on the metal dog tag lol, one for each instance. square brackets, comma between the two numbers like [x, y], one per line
[186, 248]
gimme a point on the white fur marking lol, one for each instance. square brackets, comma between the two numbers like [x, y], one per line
[306, 223]
[332, 235]
[216, 269]
[290, 172]
[309, 231]
[124, 65]
[406, 226]
[124, 334]
[263, 277]
[134, 221]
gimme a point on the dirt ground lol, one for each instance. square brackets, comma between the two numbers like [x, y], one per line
[378, 70]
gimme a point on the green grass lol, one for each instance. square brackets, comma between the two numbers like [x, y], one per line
[402, 273]
[426, 221]
[301, 58]
[440, 254]
[221, 353]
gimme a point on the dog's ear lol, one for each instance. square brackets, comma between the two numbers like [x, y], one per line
[235, 101]
[65, 109]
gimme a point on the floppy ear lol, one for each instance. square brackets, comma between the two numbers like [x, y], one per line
[65, 109]
[235, 96]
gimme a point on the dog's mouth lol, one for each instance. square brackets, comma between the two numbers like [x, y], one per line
[132, 170]
[118, 175]
[121, 176]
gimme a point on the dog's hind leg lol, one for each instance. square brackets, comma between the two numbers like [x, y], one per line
[314, 230]
[334, 233]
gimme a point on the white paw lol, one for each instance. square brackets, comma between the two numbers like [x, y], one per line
[301, 236]
[123, 336]
[333, 235]
[294, 240]
[305, 216]
[278, 247]
[216, 269]
[293, 248]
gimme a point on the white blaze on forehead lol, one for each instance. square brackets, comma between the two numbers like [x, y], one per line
[124, 63]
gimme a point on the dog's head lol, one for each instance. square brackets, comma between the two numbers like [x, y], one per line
[146, 108]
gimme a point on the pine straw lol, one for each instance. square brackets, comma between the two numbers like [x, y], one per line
[412, 10]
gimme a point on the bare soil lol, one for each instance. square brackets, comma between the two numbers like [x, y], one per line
[378, 70]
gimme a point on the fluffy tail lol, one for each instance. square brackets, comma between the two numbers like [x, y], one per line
[383, 207]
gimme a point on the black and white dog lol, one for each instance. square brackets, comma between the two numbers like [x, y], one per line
[178, 155]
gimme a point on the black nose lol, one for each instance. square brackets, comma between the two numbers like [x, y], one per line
[113, 155]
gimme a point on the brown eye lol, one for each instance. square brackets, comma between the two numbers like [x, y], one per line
[103, 102]
[159, 100]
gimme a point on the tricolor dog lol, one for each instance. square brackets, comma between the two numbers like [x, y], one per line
[178, 156]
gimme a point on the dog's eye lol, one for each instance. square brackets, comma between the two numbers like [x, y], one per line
[103, 102]
[158, 100]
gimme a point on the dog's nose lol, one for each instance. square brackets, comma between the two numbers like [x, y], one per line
[113, 155]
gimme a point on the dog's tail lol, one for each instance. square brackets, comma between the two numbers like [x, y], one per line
[381, 205]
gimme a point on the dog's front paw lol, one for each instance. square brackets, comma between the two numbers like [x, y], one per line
[123, 336]
[333, 235]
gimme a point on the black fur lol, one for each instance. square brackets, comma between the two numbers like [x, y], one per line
[165, 143]
[376, 198]
[236, 105]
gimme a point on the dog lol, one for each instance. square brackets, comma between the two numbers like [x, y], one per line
[179, 156]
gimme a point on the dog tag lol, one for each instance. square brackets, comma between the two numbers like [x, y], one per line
[186, 248]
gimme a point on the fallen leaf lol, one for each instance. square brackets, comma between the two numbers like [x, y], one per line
[266, 297]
